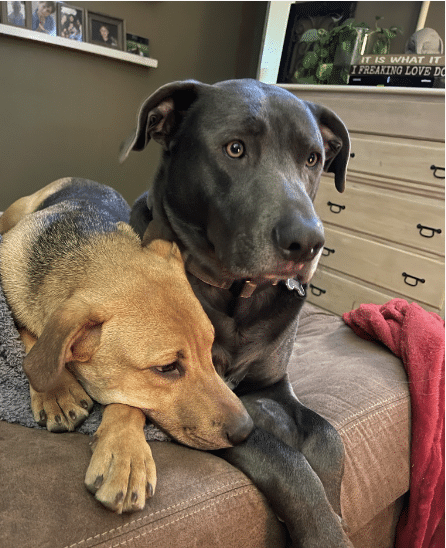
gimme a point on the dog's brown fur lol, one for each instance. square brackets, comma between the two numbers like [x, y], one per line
[121, 319]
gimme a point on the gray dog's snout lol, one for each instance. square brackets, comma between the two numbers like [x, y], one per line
[298, 239]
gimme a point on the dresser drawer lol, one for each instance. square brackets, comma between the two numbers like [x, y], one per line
[339, 295]
[413, 221]
[404, 159]
[386, 267]
[411, 112]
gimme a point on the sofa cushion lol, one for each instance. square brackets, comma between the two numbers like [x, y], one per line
[361, 388]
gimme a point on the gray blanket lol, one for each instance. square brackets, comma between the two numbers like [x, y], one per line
[15, 401]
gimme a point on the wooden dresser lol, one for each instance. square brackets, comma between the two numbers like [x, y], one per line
[385, 235]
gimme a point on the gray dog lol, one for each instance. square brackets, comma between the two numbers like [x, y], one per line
[239, 172]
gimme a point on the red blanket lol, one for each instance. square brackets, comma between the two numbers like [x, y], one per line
[418, 338]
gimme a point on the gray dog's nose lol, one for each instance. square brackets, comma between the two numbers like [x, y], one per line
[239, 430]
[297, 238]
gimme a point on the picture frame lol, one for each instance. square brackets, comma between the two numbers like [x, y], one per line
[16, 14]
[71, 22]
[302, 17]
[137, 45]
[43, 17]
[105, 31]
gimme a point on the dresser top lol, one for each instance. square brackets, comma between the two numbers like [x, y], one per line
[426, 92]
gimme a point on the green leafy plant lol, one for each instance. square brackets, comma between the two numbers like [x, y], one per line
[380, 38]
[329, 53]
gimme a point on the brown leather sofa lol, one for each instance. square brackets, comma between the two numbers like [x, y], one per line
[202, 501]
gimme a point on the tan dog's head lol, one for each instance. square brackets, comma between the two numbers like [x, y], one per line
[136, 334]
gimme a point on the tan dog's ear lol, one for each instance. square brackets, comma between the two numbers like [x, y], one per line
[72, 333]
[158, 238]
[167, 250]
[127, 229]
[156, 231]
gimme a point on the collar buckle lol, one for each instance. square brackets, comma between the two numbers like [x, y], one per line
[248, 289]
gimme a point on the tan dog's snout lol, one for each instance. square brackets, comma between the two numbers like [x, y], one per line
[210, 417]
[239, 429]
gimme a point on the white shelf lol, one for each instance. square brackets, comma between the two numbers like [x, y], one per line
[28, 34]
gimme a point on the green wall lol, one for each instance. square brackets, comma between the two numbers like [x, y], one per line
[65, 113]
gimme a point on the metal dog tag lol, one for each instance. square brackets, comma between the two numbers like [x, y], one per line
[294, 285]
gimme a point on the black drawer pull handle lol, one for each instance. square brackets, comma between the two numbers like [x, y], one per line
[435, 169]
[428, 231]
[317, 291]
[327, 251]
[412, 280]
[335, 208]
[352, 155]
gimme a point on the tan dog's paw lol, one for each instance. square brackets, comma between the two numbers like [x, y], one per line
[62, 408]
[122, 472]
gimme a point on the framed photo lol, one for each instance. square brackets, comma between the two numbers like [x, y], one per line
[137, 45]
[17, 14]
[105, 31]
[43, 17]
[70, 22]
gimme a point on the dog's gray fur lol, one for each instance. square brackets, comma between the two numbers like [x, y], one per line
[246, 223]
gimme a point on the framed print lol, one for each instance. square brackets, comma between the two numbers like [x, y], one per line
[137, 45]
[17, 14]
[70, 22]
[43, 18]
[105, 31]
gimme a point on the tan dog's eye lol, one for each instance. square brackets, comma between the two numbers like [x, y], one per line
[313, 159]
[235, 149]
[170, 370]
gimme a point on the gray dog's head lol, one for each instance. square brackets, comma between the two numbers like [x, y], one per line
[241, 166]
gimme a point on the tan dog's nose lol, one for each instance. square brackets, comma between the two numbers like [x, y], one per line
[240, 429]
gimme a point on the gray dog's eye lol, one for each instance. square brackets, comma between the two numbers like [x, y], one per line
[235, 149]
[313, 159]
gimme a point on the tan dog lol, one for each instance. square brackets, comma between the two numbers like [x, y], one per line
[104, 317]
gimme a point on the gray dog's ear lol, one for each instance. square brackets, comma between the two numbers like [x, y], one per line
[160, 115]
[336, 143]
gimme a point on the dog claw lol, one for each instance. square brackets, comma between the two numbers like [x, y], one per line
[98, 482]
[43, 418]
[149, 490]
[119, 498]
